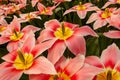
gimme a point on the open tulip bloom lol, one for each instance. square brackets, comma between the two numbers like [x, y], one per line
[25, 60]
[109, 62]
[70, 69]
[64, 35]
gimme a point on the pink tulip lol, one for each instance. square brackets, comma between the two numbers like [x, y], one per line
[101, 18]
[111, 2]
[109, 62]
[25, 60]
[45, 10]
[14, 35]
[70, 69]
[81, 9]
[64, 34]
[28, 16]
[34, 2]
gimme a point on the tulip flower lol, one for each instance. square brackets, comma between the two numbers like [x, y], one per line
[102, 17]
[25, 60]
[64, 35]
[109, 62]
[14, 35]
[58, 1]
[66, 71]
[81, 9]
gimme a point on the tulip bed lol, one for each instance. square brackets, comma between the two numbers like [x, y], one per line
[59, 40]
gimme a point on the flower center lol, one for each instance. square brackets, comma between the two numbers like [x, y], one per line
[118, 1]
[2, 28]
[23, 61]
[63, 33]
[109, 75]
[44, 11]
[106, 13]
[80, 7]
[60, 76]
[16, 36]
[29, 16]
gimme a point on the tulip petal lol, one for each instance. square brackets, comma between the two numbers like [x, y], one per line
[81, 14]
[9, 73]
[77, 62]
[4, 39]
[92, 18]
[30, 28]
[88, 72]
[69, 11]
[39, 77]
[56, 51]
[41, 65]
[10, 57]
[84, 31]
[95, 61]
[52, 24]
[112, 34]
[29, 43]
[110, 56]
[76, 44]
[41, 47]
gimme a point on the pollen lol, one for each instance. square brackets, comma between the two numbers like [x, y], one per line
[2, 28]
[60, 76]
[16, 36]
[23, 61]
[44, 11]
[109, 74]
[106, 14]
[63, 33]
[80, 7]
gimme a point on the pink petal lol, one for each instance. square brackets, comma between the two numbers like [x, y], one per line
[39, 77]
[112, 34]
[69, 11]
[52, 24]
[56, 51]
[76, 44]
[41, 47]
[87, 4]
[84, 31]
[92, 18]
[30, 28]
[117, 66]
[41, 65]
[94, 60]
[107, 4]
[88, 72]
[10, 57]
[10, 73]
[70, 25]
[99, 23]
[4, 39]
[110, 56]
[41, 7]
[81, 14]
[15, 25]
[45, 35]
[77, 62]
[13, 46]
[29, 43]
[34, 2]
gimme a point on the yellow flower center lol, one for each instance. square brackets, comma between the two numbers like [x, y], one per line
[23, 61]
[29, 16]
[16, 36]
[106, 13]
[109, 74]
[81, 7]
[63, 33]
[2, 28]
[60, 76]
[118, 1]
[44, 11]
